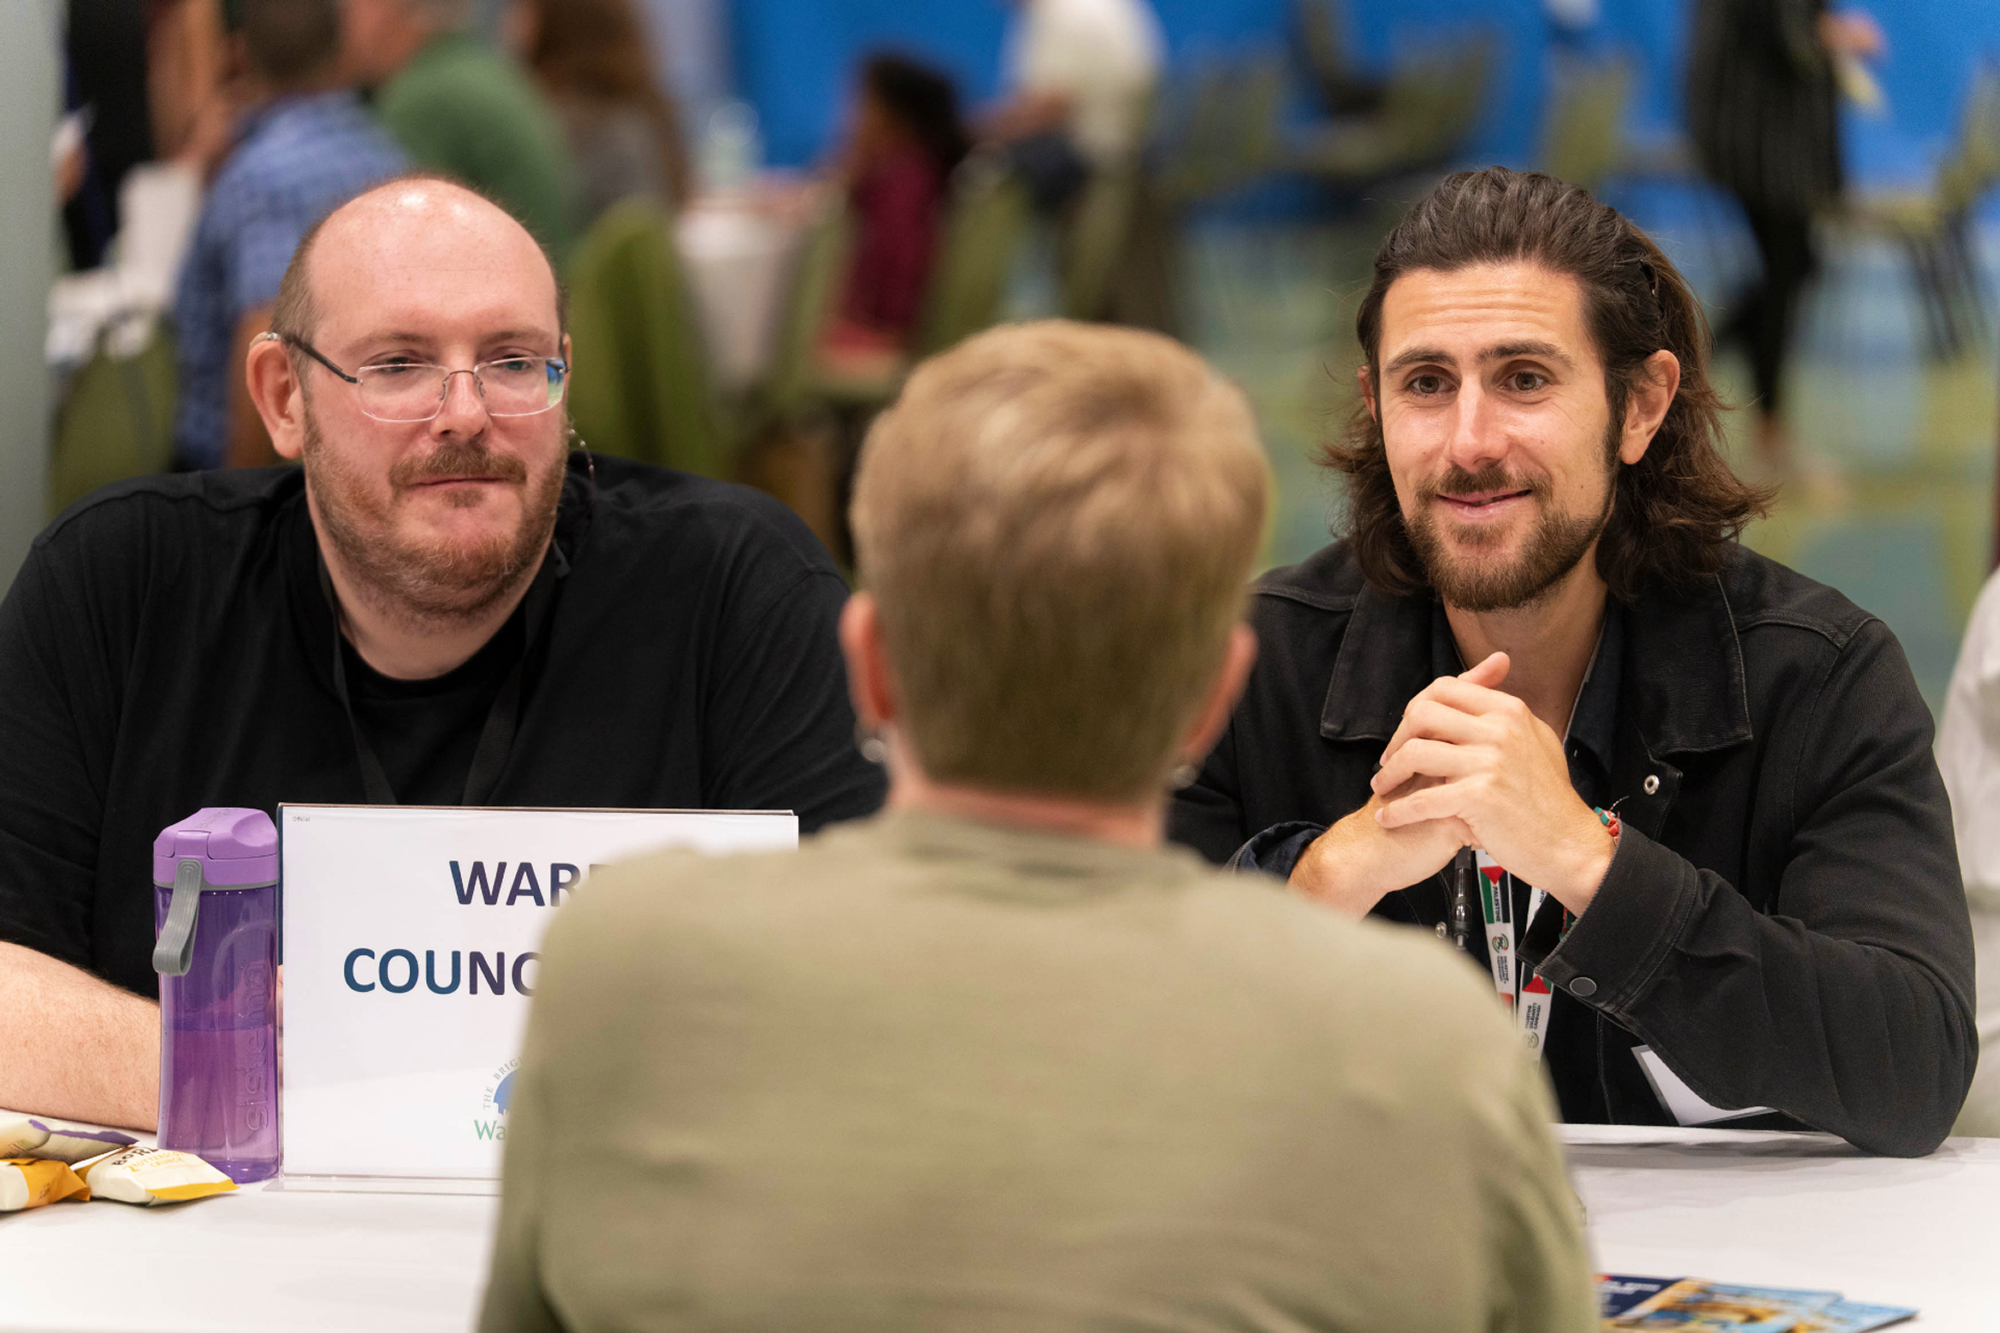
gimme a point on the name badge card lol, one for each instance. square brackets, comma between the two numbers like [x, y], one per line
[410, 939]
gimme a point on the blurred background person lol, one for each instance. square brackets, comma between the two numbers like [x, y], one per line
[1080, 78]
[1762, 113]
[595, 68]
[1968, 754]
[460, 107]
[105, 53]
[906, 141]
[306, 147]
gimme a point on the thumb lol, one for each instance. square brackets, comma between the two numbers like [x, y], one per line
[1488, 673]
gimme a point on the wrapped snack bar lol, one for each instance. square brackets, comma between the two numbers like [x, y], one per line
[149, 1176]
[23, 1136]
[30, 1182]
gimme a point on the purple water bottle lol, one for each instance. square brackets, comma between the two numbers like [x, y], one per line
[215, 908]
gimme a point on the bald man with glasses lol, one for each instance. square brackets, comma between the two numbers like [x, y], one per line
[444, 605]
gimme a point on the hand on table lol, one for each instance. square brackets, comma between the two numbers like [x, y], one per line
[1496, 774]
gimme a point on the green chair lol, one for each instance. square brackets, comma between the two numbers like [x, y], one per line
[1932, 226]
[989, 217]
[641, 387]
[116, 421]
[1429, 109]
[1582, 134]
[788, 391]
[1095, 240]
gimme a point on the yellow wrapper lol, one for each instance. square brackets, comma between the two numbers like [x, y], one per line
[30, 1182]
[148, 1176]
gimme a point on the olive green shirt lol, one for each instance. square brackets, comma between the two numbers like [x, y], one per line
[461, 108]
[930, 1074]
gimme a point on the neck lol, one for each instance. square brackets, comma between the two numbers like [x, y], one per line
[1133, 825]
[405, 644]
[1549, 642]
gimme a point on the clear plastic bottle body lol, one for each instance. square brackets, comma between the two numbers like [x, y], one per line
[219, 1034]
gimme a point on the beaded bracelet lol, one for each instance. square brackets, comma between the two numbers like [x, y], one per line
[1607, 818]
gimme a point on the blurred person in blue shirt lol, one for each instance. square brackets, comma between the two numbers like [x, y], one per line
[306, 147]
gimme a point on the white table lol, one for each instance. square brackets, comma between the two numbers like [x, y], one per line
[1773, 1209]
[1799, 1210]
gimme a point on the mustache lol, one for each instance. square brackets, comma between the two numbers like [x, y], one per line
[455, 460]
[1493, 477]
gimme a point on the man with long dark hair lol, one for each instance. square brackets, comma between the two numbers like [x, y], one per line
[1682, 803]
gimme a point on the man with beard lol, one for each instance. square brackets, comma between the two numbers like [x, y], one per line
[1682, 804]
[443, 606]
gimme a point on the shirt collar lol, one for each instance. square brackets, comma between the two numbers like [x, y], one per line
[1676, 666]
[293, 103]
[1060, 862]
[1593, 722]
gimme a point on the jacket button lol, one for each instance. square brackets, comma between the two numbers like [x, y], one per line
[1583, 988]
[1651, 784]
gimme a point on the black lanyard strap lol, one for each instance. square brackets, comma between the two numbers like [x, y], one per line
[503, 718]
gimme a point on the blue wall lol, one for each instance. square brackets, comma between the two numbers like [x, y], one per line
[792, 59]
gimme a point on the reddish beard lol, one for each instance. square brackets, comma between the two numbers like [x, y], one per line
[430, 579]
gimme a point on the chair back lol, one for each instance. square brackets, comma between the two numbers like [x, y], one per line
[1095, 239]
[641, 387]
[116, 421]
[1582, 132]
[812, 288]
[988, 218]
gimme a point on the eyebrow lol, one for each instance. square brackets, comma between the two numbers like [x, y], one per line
[430, 340]
[1499, 352]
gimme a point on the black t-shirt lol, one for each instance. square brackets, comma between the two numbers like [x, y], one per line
[167, 646]
[425, 732]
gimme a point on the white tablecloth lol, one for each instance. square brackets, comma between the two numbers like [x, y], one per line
[738, 259]
[1799, 1210]
[1773, 1209]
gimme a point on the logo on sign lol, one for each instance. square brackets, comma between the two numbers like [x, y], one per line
[492, 1121]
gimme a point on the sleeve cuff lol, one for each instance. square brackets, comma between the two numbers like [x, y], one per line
[1277, 849]
[1614, 950]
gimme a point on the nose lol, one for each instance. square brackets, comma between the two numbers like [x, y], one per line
[1477, 435]
[463, 412]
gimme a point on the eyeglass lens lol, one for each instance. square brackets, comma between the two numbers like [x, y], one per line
[409, 391]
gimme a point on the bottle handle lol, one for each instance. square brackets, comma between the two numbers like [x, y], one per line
[175, 949]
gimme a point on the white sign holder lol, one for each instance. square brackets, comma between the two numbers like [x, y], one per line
[410, 938]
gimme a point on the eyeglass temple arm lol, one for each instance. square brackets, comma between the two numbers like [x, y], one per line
[309, 350]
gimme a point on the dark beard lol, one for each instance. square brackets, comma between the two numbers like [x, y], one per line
[1557, 544]
[420, 582]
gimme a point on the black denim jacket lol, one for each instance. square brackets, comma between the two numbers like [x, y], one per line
[1783, 922]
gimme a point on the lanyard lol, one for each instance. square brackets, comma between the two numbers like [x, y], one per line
[1527, 996]
[503, 718]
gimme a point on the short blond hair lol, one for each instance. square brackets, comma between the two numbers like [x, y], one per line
[1058, 521]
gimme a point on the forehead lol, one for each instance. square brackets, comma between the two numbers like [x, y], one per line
[1465, 310]
[429, 263]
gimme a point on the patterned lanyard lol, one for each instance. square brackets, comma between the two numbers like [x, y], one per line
[1527, 996]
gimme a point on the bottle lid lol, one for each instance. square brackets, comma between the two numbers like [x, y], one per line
[236, 848]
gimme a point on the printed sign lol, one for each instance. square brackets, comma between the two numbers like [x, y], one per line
[410, 948]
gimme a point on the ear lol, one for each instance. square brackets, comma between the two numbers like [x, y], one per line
[1223, 692]
[869, 682]
[278, 395]
[1367, 382]
[1646, 406]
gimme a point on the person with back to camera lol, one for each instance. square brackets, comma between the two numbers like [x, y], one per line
[999, 1058]
[444, 605]
[1695, 788]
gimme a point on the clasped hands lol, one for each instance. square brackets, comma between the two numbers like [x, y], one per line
[1469, 767]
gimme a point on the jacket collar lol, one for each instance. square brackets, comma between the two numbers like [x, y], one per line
[1682, 675]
